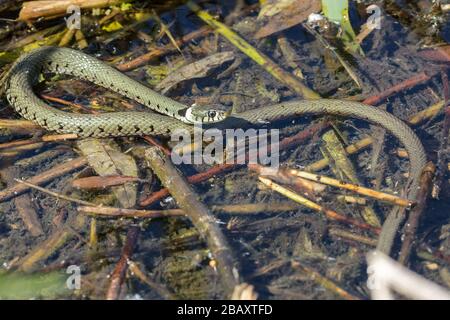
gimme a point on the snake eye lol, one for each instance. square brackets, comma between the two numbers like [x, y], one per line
[212, 114]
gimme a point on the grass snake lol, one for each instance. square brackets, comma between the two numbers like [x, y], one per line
[170, 114]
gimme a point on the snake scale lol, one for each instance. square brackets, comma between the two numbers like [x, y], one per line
[25, 72]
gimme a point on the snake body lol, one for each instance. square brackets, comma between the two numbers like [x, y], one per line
[24, 74]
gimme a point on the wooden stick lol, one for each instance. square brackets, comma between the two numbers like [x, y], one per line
[46, 138]
[118, 275]
[414, 217]
[348, 186]
[323, 281]
[401, 87]
[55, 194]
[20, 126]
[198, 213]
[347, 235]
[330, 214]
[49, 8]
[217, 169]
[238, 209]
[160, 289]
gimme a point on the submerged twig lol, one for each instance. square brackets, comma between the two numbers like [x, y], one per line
[336, 54]
[343, 168]
[138, 273]
[270, 66]
[415, 214]
[198, 213]
[118, 275]
[34, 141]
[56, 240]
[221, 168]
[23, 204]
[401, 87]
[43, 177]
[366, 142]
[324, 282]
[347, 235]
[443, 152]
[159, 51]
[55, 194]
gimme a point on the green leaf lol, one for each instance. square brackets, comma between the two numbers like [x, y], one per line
[337, 11]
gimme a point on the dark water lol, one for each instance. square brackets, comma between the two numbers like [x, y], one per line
[268, 245]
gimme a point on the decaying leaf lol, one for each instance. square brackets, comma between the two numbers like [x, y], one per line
[286, 14]
[198, 69]
[106, 158]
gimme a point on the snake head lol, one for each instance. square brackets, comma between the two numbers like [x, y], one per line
[207, 114]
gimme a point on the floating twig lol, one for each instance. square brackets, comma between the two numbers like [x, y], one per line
[238, 209]
[330, 214]
[307, 187]
[386, 197]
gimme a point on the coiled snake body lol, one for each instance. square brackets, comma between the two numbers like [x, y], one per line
[24, 74]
